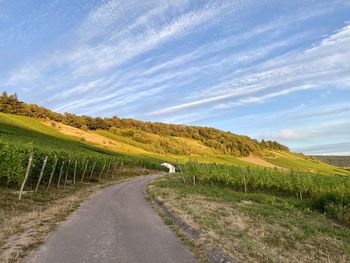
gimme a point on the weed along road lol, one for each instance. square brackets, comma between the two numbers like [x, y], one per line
[116, 225]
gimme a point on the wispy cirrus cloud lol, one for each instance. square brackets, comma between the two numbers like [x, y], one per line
[342, 148]
[188, 62]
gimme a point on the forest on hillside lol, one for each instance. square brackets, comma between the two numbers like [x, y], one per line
[341, 161]
[225, 142]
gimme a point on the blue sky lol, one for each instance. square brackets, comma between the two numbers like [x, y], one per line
[277, 70]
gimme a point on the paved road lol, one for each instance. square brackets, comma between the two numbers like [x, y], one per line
[116, 225]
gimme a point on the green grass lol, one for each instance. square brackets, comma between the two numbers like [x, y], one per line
[20, 131]
[296, 162]
[256, 227]
[20, 135]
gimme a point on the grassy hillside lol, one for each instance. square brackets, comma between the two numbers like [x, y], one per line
[49, 135]
[154, 136]
[154, 145]
[160, 141]
[19, 135]
[300, 162]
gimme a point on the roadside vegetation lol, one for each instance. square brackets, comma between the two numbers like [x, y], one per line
[24, 224]
[329, 194]
[256, 226]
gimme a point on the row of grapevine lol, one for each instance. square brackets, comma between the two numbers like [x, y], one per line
[249, 178]
[14, 162]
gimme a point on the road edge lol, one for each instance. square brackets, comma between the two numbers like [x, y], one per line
[213, 255]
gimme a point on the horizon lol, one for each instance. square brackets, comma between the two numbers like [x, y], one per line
[259, 68]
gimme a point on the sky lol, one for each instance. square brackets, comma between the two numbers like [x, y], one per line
[276, 70]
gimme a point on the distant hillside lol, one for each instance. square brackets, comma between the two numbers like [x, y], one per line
[341, 161]
[146, 140]
[153, 136]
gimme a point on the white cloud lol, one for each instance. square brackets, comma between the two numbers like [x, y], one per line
[313, 68]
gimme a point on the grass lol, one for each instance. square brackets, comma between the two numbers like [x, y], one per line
[292, 161]
[20, 131]
[19, 135]
[256, 227]
[41, 133]
[25, 223]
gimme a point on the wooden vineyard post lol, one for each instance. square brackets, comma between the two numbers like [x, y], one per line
[109, 166]
[30, 161]
[183, 177]
[93, 168]
[113, 170]
[41, 174]
[52, 173]
[75, 171]
[120, 168]
[60, 175]
[67, 171]
[86, 165]
[104, 166]
[300, 193]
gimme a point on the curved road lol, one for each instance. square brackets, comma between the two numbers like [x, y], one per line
[116, 225]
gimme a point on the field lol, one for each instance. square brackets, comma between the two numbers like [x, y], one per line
[328, 193]
[155, 148]
[22, 135]
[259, 197]
[255, 226]
[299, 162]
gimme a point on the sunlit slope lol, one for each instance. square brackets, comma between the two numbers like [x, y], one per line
[161, 147]
[169, 147]
[19, 130]
[300, 162]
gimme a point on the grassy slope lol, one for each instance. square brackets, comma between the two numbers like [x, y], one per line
[256, 227]
[19, 129]
[299, 162]
[202, 153]
[23, 130]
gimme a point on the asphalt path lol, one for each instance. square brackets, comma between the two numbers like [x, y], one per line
[116, 225]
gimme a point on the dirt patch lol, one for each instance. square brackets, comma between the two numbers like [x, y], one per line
[261, 162]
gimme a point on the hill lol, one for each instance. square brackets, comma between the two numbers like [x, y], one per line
[155, 141]
[220, 141]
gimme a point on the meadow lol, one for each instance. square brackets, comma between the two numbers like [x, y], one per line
[254, 226]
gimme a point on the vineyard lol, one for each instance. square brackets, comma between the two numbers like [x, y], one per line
[329, 194]
[253, 179]
[50, 159]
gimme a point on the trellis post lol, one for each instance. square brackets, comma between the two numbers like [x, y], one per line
[30, 161]
[41, 174]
